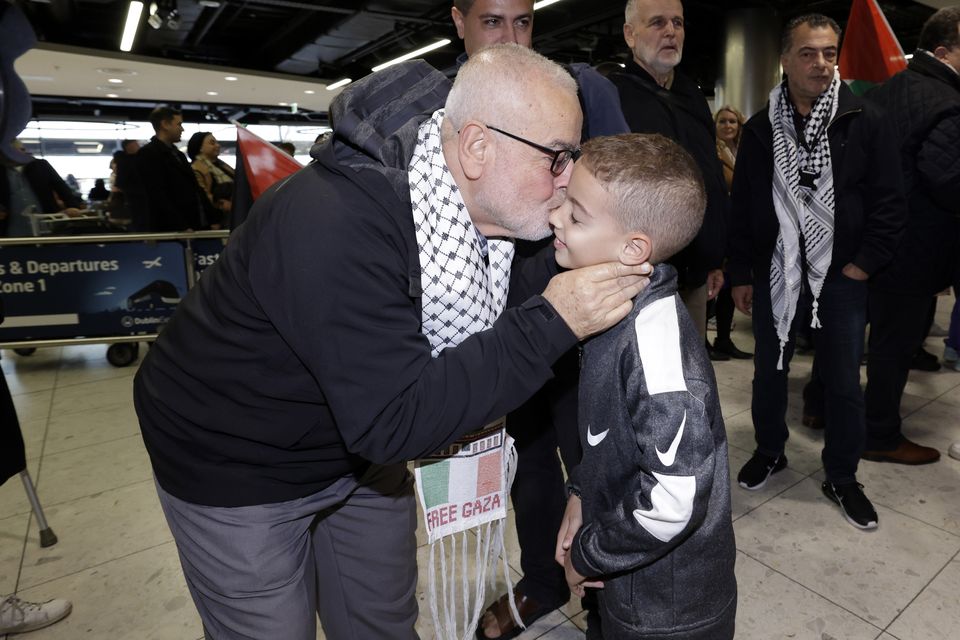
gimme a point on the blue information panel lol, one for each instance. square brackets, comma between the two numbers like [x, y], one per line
[87, 290]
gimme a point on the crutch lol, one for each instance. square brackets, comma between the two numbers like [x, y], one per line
[47, 537]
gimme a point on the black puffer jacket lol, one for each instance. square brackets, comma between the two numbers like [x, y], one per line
[869, 201]
[924, 104]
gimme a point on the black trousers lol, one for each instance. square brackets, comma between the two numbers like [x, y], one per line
[898, 325]
[546, 423]
[12, 455]
[839, 345]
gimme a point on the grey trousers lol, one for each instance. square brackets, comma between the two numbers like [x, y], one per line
[264, 572]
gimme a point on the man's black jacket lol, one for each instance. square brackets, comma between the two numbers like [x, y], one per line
[681, 113]
[171, 190]
[924, 105]
[299, 357]
[869, 202]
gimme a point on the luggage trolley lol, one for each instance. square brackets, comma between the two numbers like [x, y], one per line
[118, 289]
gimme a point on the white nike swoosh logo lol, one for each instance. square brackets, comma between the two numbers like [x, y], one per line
[594, 440]
[669, 457]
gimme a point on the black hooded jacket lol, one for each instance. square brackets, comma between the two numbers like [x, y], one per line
[681, 113]
[299, 356]
[869, 203]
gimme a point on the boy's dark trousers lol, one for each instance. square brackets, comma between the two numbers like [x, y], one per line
[546, 422]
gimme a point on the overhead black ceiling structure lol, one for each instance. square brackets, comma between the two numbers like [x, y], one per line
[332, 39]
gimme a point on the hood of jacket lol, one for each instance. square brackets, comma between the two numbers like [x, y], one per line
[376, 119]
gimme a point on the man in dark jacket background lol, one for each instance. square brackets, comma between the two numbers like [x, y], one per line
[818, 207]
[924, 103]
[170, 199]
[656, 98]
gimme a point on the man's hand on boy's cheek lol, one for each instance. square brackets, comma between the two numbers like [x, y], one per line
[593, 299]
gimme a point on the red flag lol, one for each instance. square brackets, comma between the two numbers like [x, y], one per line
[264, 163]
[871, 52]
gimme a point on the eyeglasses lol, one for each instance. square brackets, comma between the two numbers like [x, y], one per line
[561, 157]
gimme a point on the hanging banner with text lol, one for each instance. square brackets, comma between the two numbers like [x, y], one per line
[59, 291]
[465, 485]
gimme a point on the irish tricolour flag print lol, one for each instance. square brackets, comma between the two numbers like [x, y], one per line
[465, 485]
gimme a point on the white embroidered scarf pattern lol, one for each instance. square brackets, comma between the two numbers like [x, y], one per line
[805, 212]
[461, 296]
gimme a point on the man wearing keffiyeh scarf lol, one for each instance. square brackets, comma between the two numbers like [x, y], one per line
[355, 321]
[817, 208]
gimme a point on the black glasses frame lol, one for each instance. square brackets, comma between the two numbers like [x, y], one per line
[561, 157]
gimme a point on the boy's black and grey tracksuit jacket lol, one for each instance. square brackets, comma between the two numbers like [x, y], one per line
[654, 478]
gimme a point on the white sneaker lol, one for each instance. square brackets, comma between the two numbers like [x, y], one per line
[954, 450]
[20, 616]
[950, 355]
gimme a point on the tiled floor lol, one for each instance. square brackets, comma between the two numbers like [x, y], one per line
[803, 572]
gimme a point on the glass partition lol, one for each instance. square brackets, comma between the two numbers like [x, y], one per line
[84, 149]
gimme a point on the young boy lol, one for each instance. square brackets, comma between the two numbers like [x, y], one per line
[648, 517]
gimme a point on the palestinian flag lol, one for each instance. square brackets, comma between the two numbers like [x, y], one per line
[259, 165]
[871, 53]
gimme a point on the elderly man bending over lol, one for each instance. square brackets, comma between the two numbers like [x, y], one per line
[355, 321]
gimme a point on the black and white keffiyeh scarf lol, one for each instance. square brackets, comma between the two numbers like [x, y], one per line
[804, 200]
[465, 277]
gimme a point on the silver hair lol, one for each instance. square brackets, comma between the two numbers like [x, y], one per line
[489, 86]
[630, 11]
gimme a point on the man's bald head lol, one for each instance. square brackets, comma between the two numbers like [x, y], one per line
[501, 83]
[509, 117]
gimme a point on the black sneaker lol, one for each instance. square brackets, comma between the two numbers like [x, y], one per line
[923, 360]
[753, 476]
[856, 507]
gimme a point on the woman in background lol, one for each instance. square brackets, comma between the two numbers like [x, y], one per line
[729, 124]
[214, 176]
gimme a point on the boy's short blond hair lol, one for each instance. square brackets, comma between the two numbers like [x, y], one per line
[654, 186]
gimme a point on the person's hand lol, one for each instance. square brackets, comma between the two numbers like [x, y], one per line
[3, 213]
[578, 584]
[854, 272]
[593, 299]
[571, 523]
[743, 298]
[714, 283]
[73, 212]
